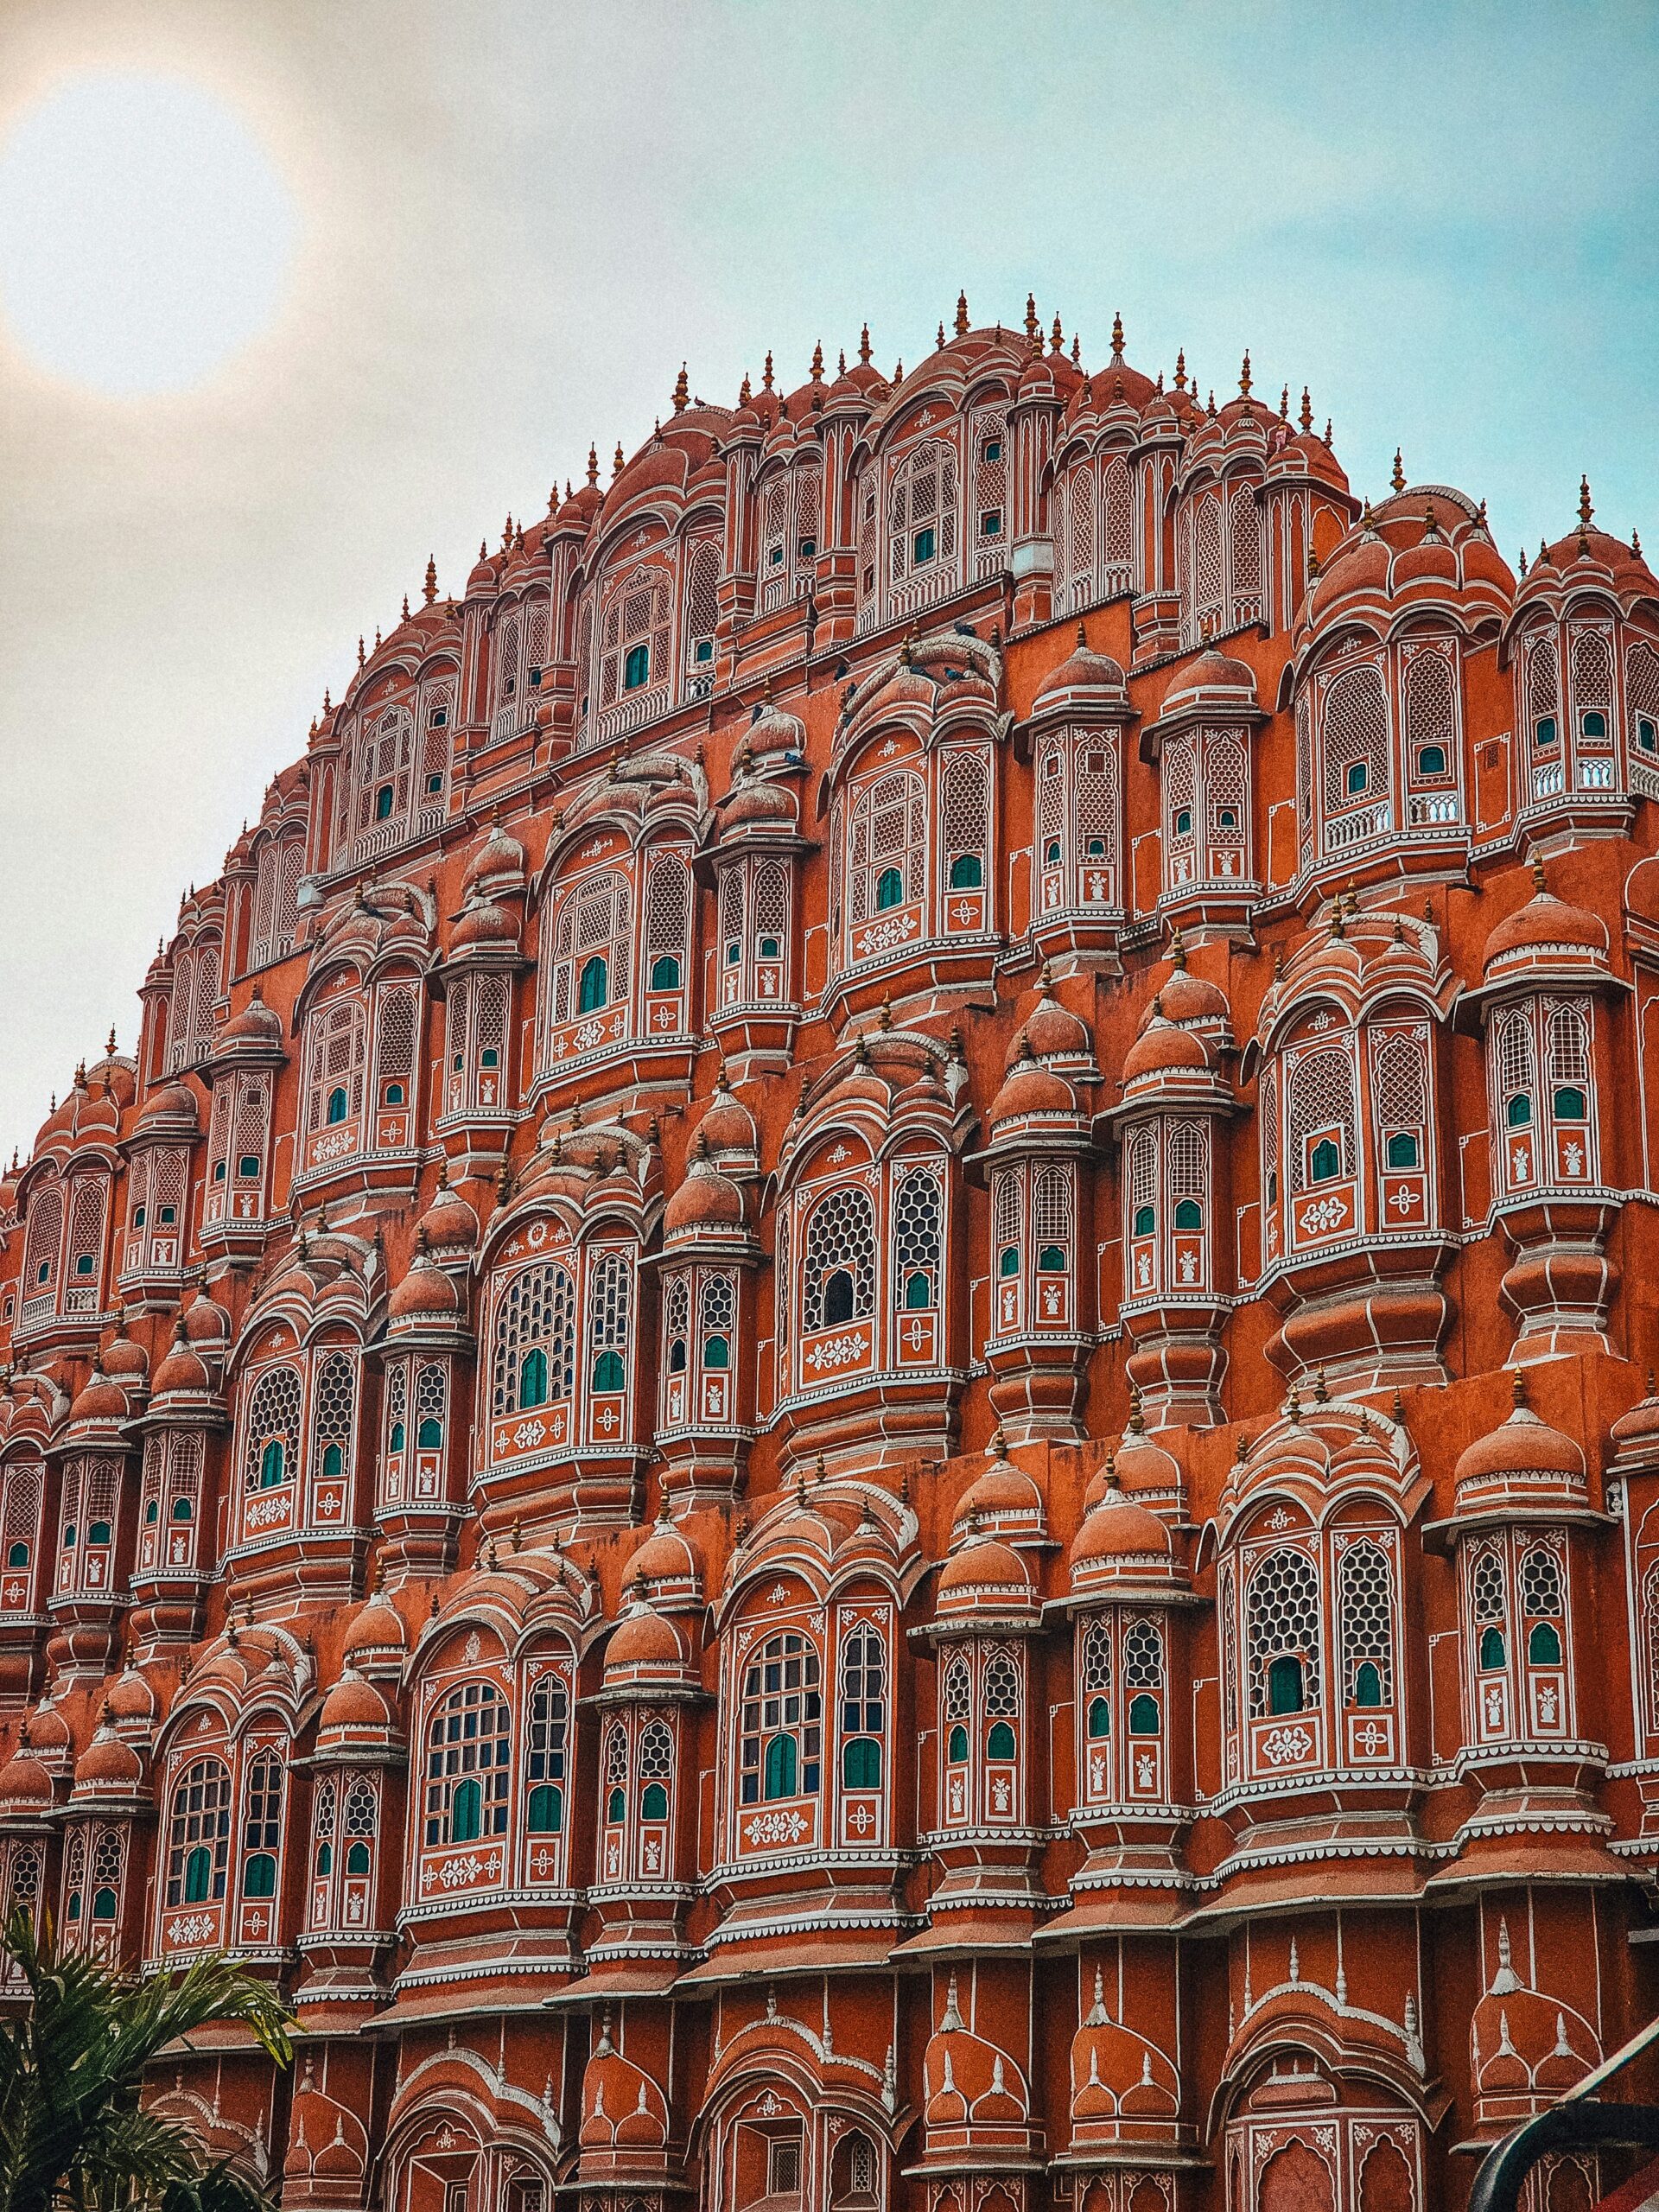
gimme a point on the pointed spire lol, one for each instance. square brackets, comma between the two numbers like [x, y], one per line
[682, 392]
[1398, 478]
[1180, 369]
[817, 362]
[962, 314]
[1117, 341]
[864, 346]
[405, 606]
[1076, 355]
[1033, 328]
[1245, 375]
[1057, 337]
[765, 374]
[938, 343]
[429, 588]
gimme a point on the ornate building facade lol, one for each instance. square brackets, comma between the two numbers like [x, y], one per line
[848, 1408]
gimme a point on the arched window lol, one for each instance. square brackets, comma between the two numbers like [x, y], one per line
[361, 1822]
[1429, 689]
[918, 1236]
[838, 1259]
[1321, 1101]
[633, 636]
[702, 598]
[1206, 566]
[610, 1301]
[262, 1825]
[1365, 1623]
[965, 819]
[886, 851]
[1355, 736]
[1490, 1607]
[667, 921]
[549, 1714]
[1543, 1605]
[999, 1703]
[533, 1360]
[655, 1768]
[338, 1053]
[958, 1703]
[334, 1415]
[1244, 544]
[1517, 1076]
[1400, 1099]
[1143, 1676]
[468, 1751]
[198, 1833]
[587, 943]
[1542, 668]
[1282, 1607]
[922, 511]
[782, 1721]
[1095, 1679]
[273, 1428]
[864, 1708]
[1568, 1054]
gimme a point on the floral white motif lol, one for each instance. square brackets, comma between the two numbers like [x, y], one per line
[841, 1351]
[197, 1928]
[781, 1826]
[528, 1434]
[1323, 1215]
[1286, 1746]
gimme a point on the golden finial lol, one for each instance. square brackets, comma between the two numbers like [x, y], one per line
[744, 390]
[864, 346]
[1177, 948]
[1585, 511]
[1519, 1390]
[938, 343]
[1537, 870]
[962, 314]
[361, 655]
[1305, 418]
[405, 606]
[1398, 478]
[682, 392]
[817, 362]
[1033, 328]
[1117, 338]
[1077, 353]
[430, 586]
[765, 374]
[1082, 638]
[1245, 375]
[1180, 369]
[1057, 337]
[616, 465]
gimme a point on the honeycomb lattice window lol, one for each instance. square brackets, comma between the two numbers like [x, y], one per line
[1542, 1597]
[1143, 1655]
[998, 1692]
[1365, 1617]
[1281, 1609]
[839, 1240]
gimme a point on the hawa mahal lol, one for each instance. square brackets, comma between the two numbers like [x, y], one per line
[848, 1407]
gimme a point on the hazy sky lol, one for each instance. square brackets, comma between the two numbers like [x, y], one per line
[457, 242]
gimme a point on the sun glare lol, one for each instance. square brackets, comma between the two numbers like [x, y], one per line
[145, 235]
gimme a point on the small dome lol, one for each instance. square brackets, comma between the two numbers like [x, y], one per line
[25, 1785]
[665, 1556]
[378, 1630]
[1525, 1452]
[499, 860]
[706, 1204]
[728, 1124]
[449, 1221]
[483, 922]
[108, 1765]
[171, 1107]
[130, 1699]
[206, 1321]
[1162, 1049]
[125, 1359]
[354, 1706]
[256, 1024]
[643, 1642]
[1546, 924]
[1053, 1032]
[1118, 1531]
[1186, 998]
[99, 1399]
[1214, 683]
[1083, 671]
[1031, 1089]
[183, 1371]
[984, 1574]
[425, 1293]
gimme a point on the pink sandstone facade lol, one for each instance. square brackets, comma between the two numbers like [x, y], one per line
[848, 1408]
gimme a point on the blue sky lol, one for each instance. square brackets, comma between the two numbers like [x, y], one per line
[503, 226]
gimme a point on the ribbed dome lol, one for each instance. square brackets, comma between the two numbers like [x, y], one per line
[354, 1706]
[1086, 671]
[1031, 1089]
[983, 1575]
[1162, 1049]
[643, 1642]
[1545, 923]
[1118, 1529]
[706, 1204]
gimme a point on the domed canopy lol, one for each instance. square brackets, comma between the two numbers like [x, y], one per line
[984, 1577]
[1524, 1463]
[708, 1205]
[644, 1647]
[1085, 680]
[1547, 933]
